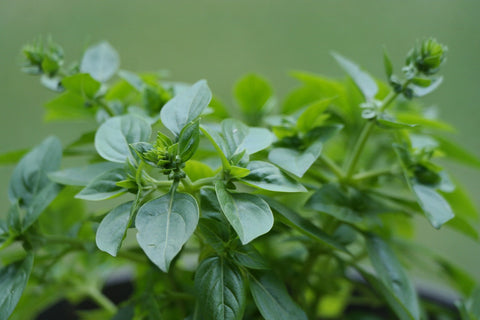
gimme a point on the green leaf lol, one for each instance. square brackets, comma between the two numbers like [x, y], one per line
[40, 202]
[214, 232]
[188, 140]
[248, 214]
[344, 203]
[30, 175]
[457, 277]
[455, 152]
[185, 107]
[86, 138]
[82, 176]
[197, 170]
[14, 222]
[422, 82]
[389, 123]
[82, 84]
[133, 79]
[422, 90]
[220, 289]
[239, 137]
[266, 176]
[294, 220]
[393, 276]
[272, 299]
[363, 80]
[68, 106]
[310, 117]
[386, 293]
[238, 172]
[249, 257]
[101, 61]
[295, 161]
[412, 118]
[436, 209]
[472, 305]
[104, 186]
[387, 63]
[112, 229]
[114, 136]
[12, 157]
[13, 279]
[252, 93]
[164, 225]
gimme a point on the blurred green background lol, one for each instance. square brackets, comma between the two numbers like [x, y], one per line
[220, 40]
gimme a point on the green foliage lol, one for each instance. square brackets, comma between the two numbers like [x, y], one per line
[264, 217]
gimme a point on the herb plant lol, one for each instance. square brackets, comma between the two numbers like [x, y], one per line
[300, 210]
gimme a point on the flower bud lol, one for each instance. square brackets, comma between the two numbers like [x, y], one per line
[428, 56]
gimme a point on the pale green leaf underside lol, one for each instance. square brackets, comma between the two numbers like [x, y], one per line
[164, 225]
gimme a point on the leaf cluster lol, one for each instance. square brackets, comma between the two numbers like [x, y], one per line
[292, 210]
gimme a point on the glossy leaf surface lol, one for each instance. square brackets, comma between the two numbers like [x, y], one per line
[272, 299]
[221, 289]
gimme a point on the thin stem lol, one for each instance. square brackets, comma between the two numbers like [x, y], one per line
[204, 182]
[333, 166]
[372, 174]
[364, 135]
[101, 300]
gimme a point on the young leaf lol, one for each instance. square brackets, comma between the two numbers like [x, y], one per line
[82, 176]
[114, 136]
[104, 186]
[295, 161]
[248, 214]
[164, 225]
[82, 84]
[393, 275]
[13, 279]
[112, 229]
[434, 206]
[423, 90]
[239, 137]
[387, 63]
[252, 93]
[390, 123]
[303, 225]
[363, 80]
[30, 175]
[220, 289]
[189, 140]
[101, 61]
[309, 118]
[272, 299]
[266, 176]
[185, 107]
[12, 157]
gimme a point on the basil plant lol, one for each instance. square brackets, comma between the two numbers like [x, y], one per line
[303, 209]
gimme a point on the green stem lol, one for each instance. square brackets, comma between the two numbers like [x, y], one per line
[101, 300]
[333, 166]
[372, 174]
[364, 135]
[204, 182]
